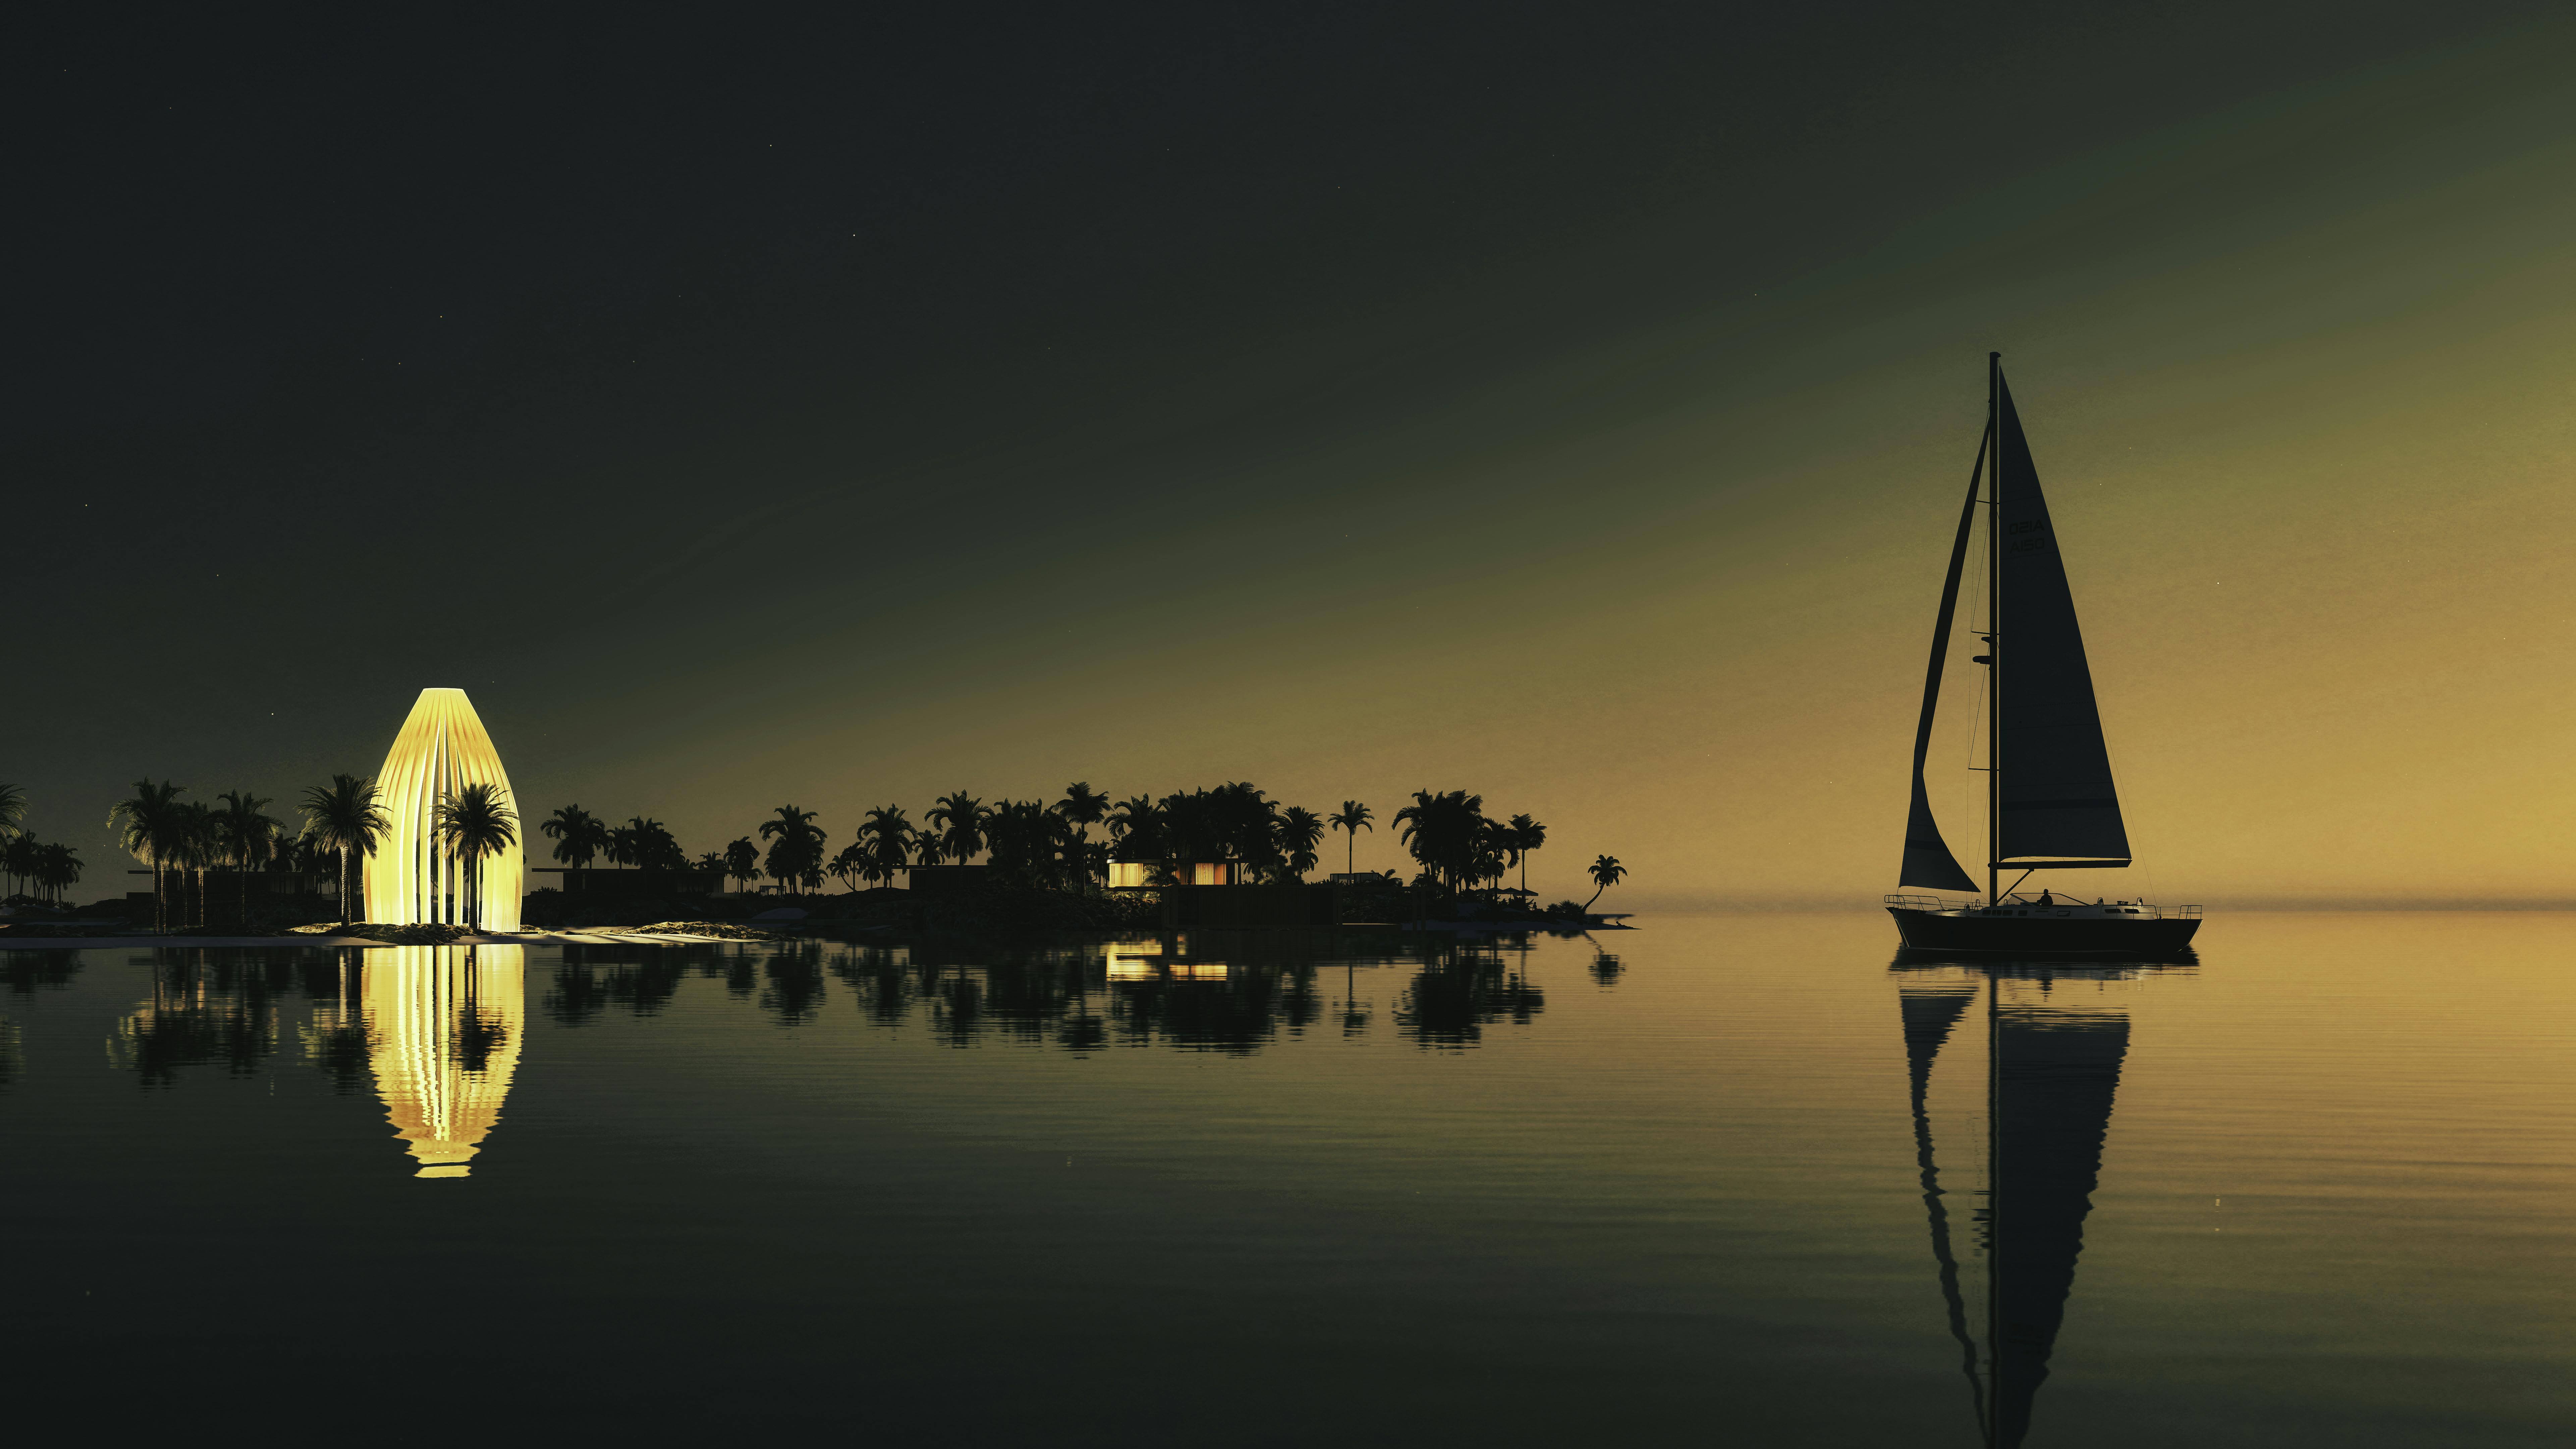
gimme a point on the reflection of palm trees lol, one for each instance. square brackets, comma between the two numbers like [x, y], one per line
[1460, 990]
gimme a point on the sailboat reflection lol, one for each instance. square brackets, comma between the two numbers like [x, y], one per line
[444, 1025]
[2052, 1066]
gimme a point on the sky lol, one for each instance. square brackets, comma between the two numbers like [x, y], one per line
[1568, 404]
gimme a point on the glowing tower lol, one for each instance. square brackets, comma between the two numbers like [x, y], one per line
[411, 879]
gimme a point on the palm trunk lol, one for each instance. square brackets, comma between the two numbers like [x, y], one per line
[1596, 895]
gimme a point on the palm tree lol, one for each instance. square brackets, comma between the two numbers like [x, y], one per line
[199, 849]
[742, 862]
[1082, 805]
[960, 818]
[1527, 835]
[798, 854]
[579, 836]
[248, 837]
[18, 857]
[1446, 833]
[13, 811]
[1300, 832]
[1351, 819]
[473, 823]
[1606, 872]
[147, 824]
[889, 836]
[344, 818]
[58, 869]
[651, 846]
[849, 864]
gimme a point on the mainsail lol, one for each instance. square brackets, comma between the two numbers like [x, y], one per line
[2058, 806]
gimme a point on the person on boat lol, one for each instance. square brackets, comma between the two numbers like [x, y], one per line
[2045, 900]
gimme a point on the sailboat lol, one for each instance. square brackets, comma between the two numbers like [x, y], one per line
[2050, 801]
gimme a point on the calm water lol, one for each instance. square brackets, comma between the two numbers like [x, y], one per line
[2319, 1188]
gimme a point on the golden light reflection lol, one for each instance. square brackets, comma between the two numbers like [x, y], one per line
[1131, 966]
[445, 1023]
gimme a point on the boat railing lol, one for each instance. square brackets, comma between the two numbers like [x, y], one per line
[1905, 902]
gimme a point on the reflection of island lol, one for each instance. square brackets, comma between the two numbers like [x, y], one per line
[2051, 1070]
[1231, 991]
[444, 1025]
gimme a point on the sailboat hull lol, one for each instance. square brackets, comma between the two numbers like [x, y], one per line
[1982, 933]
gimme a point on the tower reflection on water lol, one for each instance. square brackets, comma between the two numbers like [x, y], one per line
[435, 1030]
[2049, 1056]
[444, 1025]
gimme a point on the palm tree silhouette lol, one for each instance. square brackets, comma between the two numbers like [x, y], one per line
[960, 818]
[1299, 834]
[1351, 819]
[579, 836]
[797, 855]
[889, 838]
[851, 863]
[58, 868]
[147, 823]
[474, 823]
[1081, 804]
[1447, 833]
[200, 848]
[1606, 872]
[248, 838]
[344, 818]
[1527, 835]
[742, 862]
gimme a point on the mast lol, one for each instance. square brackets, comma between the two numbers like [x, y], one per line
[1994, 636]
[1994, 1387]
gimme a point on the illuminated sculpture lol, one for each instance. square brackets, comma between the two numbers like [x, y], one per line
[412, 878]
[444, 1024]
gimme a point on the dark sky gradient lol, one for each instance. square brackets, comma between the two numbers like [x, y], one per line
[1559, 402]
